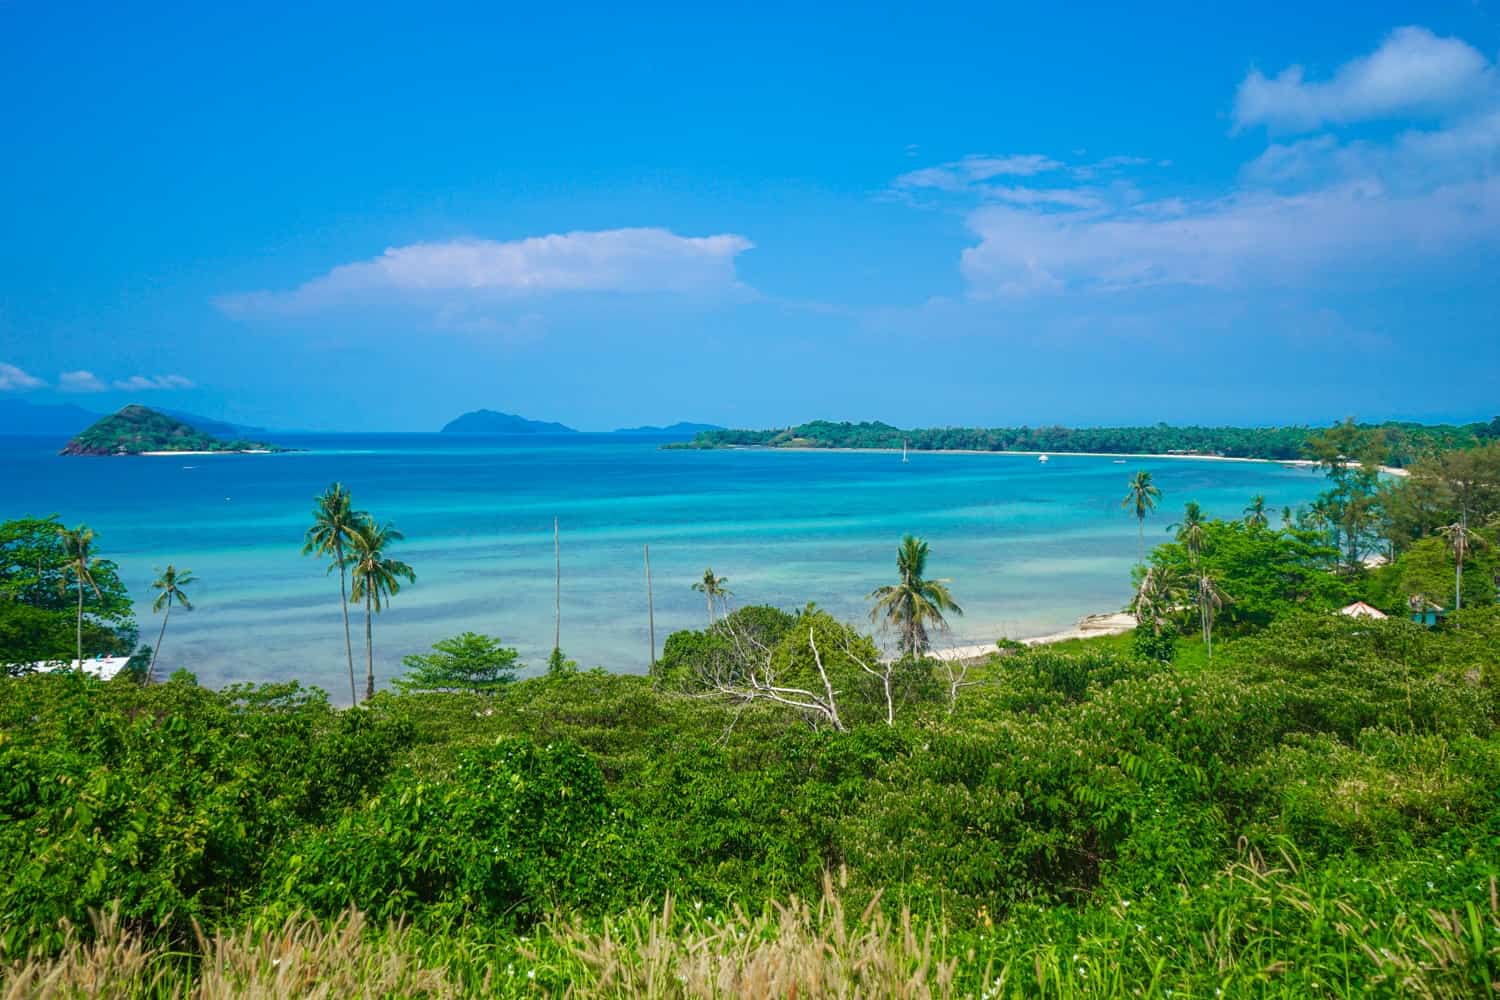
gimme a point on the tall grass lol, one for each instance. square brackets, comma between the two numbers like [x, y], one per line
[1260, 929]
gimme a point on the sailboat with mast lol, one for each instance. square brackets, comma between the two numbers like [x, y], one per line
[904, 459]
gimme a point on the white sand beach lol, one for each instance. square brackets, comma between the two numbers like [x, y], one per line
[1087, 627]
[1389, 470]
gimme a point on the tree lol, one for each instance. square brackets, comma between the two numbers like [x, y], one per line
[1190, 530]
[1461, 540]
[334, 521]
[712, 588]
[78, 546]
[168, 583]
[377, 578]
[1142, 496]
[915, 603]
[39, 598]
[1209, 599]
[1255, 514]
[469, 662]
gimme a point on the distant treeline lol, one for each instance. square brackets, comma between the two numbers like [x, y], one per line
[1405, 442]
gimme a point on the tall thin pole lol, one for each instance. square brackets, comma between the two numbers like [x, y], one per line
[650, 611]
[557, 589]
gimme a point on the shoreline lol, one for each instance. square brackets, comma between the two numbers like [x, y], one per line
[1301, 463]
[1088, 627]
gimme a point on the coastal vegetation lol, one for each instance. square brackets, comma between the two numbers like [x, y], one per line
[1254, 795]
[136, 430]
[1402, 443]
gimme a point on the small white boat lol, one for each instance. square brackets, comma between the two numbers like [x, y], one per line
[903, 451]
[1043, 458]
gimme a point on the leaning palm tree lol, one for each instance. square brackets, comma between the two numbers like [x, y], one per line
[78, 546]
[1142, 496]
[334, 520]
[377, 578]
[1156, 598]
[1461, 540]
[712, 588]
[1210, 599]
[1255, 514]
[915, 603]
[1190, 530]
[169, 582]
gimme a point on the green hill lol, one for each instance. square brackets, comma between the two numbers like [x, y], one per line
[136, 430]
[492, 422]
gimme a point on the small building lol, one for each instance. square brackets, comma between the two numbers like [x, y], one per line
[1423, 611]
[1359, 609]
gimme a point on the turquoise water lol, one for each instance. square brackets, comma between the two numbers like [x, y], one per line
[1029, 547]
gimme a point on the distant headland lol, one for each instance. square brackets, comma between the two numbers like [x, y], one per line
[139, 430]
[1403, 441]
[494, 422]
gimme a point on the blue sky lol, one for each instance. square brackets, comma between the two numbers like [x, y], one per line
[368, 217]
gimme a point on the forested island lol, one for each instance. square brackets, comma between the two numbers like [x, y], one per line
[138, 430]
[1404, 442]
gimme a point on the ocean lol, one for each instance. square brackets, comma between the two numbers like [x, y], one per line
[1029, 546]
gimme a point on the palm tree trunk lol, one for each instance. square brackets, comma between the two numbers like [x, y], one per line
[338, 553]
[650, 612]
[369, 649]
[80, 624]
[1458, 583]
[151, 670]
[709, 596]
[1140, 542]
[556, 588]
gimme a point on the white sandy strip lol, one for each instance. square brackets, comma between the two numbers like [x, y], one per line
[247, 451]
[1089, 627]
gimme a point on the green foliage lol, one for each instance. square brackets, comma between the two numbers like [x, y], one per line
[1403, 443]
[467, 662]
[135, 429]
[1158, 644]
[39, 594]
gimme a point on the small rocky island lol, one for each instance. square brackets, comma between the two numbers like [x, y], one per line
[139, 430]
[493, 422]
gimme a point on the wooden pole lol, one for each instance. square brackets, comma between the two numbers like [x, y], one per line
[557, 589]
[650, 612]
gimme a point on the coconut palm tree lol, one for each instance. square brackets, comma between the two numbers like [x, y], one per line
[169, 582]
[1461, 540]
[1142, 496]
[334, 521]
[1156, 598]
[377, 578]
[1209, 599]
[1255, 514]
[1190, 530]
[916, 602]
[78, 546]
[712, 587]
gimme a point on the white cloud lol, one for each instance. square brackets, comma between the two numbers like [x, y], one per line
[13, 379]
[615, 260]
[1246, 237]
[1064, 197]
[1413, 72]
[150, 383]
[965, 174]
[80, 381]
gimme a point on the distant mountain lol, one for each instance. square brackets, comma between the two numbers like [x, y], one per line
[61, 419]
[135, 430]
[491, 422]
[208, 425]
[684, 428]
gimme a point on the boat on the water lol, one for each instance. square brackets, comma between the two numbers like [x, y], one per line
[1043, 458]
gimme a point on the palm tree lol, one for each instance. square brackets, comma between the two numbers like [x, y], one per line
[1190, 530]
[170, 582]
[1255, 514]
[1156, 598]
[377, 578]
[78, 546]
[1142, 495]
[712, 587]
[1461, 541]
[334, 521]
[914, 603]
[1210, 600]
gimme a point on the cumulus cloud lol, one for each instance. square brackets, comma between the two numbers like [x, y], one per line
[615, 260]
[1430, 190]
[13, 379]
[151, 383]
[80, 381]
[1413, 72]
